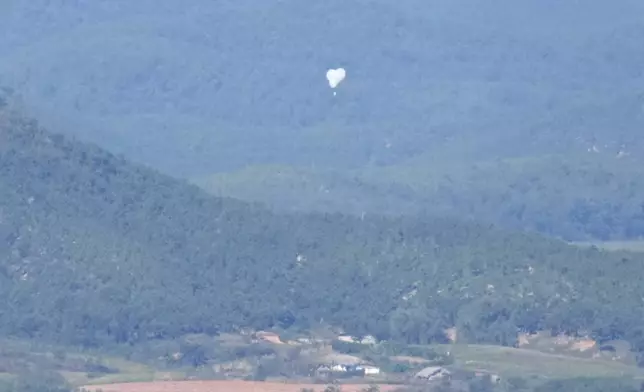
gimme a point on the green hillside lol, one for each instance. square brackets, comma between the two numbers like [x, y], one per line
[103, 252]
[576, 197]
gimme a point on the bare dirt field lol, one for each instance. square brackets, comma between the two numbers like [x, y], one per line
[224, 386]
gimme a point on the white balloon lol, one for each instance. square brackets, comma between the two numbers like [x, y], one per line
[335, 76]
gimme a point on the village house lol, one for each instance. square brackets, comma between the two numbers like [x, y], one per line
[368, 339]
[357, 370]
[368, 370]
[269, 337]
[432, 373]
[494, 378]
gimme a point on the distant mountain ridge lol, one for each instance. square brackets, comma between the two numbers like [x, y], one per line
[192, 89]
[463, 108]
[587, 196]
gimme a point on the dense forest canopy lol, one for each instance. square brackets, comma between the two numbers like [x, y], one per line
[495, 80]
[102, 251]
[484, 110]
[576, 197]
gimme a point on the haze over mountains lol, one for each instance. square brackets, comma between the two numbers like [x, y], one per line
[442, 99]
[169, 169]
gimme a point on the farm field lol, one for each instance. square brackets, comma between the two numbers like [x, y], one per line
[514, 362]
[225, 386]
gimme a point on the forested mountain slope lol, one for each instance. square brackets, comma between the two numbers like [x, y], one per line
[440, 86]
[587, 196]
[98, 251]
[202, 87]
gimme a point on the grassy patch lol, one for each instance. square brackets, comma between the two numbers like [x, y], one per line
[511, 362]
[126, 371]
[5, 376]
[116, 378]
[78, 368]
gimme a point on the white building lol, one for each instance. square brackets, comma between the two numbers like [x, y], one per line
[369, 370]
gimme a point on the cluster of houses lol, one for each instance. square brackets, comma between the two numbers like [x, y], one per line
[346, 370]
[428, 374]
[349, 370]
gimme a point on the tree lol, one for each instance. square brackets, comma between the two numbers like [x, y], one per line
[371, 388]
[334, 387]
